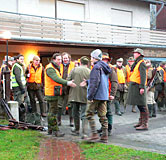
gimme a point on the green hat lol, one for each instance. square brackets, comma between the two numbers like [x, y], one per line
[84, 60]
[139, 50]
[120, 60]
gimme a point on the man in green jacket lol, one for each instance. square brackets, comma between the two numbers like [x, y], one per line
[18, 84]
[53, 80]
[78, 95]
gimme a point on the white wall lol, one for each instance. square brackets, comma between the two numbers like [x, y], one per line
[37, 7]
[137, 13]
[100, 11]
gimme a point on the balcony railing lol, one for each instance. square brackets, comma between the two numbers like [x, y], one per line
[43, 28]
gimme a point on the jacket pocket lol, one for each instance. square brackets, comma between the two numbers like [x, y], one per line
[57, 91]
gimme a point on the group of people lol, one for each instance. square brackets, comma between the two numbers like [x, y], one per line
[85, 88]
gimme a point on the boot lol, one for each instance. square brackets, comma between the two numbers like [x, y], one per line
[59, 116]
[93, 138]
[49, 132]
[150, 110]
[109, 129]
[75, 132]
[59, 134]
[144, 125]
[117, 108]
[71, 122]
[154, 110]
[84, 128]
[140, 121]
[104, 136]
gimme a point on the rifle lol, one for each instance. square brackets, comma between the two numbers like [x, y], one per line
[6, 108]
[150, 83]
[13, 124]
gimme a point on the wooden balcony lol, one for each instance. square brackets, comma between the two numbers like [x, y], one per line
[47, 29]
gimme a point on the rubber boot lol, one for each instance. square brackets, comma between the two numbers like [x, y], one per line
[75, 131]
[59, 116]
[154, 110]
[84, 128]
[71, 117]
[117, 108]
[144, 126]
[104, 136]
[140, 121]
[150, 107]
[109, 129]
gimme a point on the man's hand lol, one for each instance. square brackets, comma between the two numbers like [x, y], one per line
[142, 91]
[111, 97]
[71, 83]
[83, 83]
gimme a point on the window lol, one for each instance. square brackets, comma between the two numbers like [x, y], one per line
[121, 17]
[70, 10]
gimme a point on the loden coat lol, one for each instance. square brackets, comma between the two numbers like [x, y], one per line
[78, 94]
[134, 96]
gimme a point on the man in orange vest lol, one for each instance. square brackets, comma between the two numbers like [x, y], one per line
[66, 66]
[127, 73]
[121, 86]
[53, 89]
[35, 74]
[159, 88]
[137, 89]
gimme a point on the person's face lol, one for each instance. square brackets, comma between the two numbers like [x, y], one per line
[93, 60]
[130, 63]
[36, 62]
[136, 55]
[21, 59]
[119, 63]
[58, 60]
[66, 59]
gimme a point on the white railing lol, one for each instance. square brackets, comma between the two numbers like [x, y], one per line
[26, 26]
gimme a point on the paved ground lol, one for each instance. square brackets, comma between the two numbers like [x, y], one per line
[123, 134]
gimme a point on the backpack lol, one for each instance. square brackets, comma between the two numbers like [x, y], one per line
[33, 118]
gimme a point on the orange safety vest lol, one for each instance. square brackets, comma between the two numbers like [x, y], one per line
[71, 66]
[120, 74]
[135, 75]
[49, 83]
[128, 70]
[164, 76]
[35, 76]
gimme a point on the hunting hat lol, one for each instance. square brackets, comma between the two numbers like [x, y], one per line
[120, 60]
[97, 54]
[139, 50]
[84, 60]
[104, 56]
[36, 58]
[131, 59]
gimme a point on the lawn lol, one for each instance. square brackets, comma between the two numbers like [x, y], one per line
[99, 151]
[18, 144]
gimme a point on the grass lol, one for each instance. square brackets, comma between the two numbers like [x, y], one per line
[99, 151]
[19, 145]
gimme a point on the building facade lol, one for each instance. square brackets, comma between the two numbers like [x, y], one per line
[79, 26]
